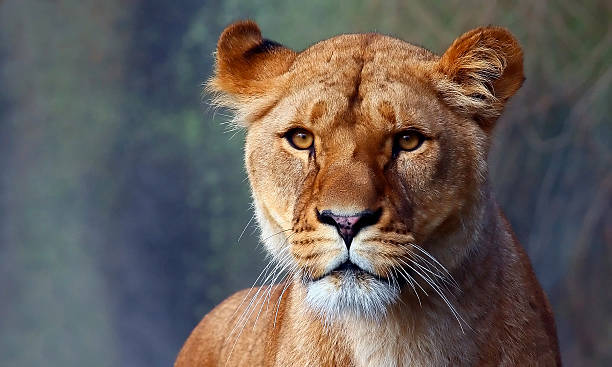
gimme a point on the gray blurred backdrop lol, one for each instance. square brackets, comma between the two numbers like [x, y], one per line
[122, 198]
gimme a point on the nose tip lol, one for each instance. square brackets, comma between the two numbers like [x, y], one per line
[349, 225]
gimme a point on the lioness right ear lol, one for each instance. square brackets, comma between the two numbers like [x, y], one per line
[247, 67]
[482, 69]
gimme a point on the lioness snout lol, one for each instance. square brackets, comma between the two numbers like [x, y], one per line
[349, 225]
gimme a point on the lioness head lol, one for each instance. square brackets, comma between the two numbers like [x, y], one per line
[367, 155]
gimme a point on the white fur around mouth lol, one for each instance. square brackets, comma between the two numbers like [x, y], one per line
[352, 294]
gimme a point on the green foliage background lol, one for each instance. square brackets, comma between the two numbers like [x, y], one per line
[122, 198]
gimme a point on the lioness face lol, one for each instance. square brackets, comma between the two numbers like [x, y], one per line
[364, 166]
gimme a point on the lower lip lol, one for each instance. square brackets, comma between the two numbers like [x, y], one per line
[354, 270]
[355, 273]
[341, 273]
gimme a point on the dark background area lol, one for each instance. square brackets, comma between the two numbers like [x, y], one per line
[122, 196]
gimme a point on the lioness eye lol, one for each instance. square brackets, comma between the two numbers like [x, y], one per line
[409, 140]
[300, 139]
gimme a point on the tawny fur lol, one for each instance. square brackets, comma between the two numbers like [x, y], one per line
[354, 93]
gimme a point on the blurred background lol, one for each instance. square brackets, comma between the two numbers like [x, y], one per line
[122, 197]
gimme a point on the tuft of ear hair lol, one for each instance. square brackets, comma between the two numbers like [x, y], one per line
[247, 69]
[481, 70]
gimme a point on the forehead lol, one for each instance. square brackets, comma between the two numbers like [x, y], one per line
[365, 79]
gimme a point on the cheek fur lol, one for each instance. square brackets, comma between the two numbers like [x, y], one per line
[274, 174]
[434, 181]
[416, 169]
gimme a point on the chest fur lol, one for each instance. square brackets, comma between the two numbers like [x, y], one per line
[401, 342]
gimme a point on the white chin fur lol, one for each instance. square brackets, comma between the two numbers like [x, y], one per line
[350, 296]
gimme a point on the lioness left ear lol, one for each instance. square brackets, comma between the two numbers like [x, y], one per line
[481, 70]
[247, 69]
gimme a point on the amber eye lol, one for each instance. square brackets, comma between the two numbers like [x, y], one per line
[300, 139]
[409, 140]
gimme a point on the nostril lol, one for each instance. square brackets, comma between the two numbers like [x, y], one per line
[349, 225]
[327, 217]
[369, 217]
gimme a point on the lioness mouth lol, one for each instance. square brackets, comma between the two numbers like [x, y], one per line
[348, 268]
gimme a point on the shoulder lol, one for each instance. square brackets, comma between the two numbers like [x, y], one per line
[231, 329]
[530, 315]
[206, 340]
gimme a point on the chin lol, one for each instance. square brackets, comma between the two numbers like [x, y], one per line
[341, 295]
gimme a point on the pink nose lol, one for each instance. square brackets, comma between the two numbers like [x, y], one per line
[349, 225]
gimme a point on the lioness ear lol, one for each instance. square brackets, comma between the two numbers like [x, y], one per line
[482, 69]
[247, 67]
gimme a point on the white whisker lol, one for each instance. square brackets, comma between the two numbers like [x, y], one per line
[410, 276]
[443, 280]
[434, 260]
[411, 282]
[245, 228]
[288, 282]
[269, 291]
[439, 291]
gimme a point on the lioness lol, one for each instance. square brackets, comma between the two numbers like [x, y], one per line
[367, 162]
